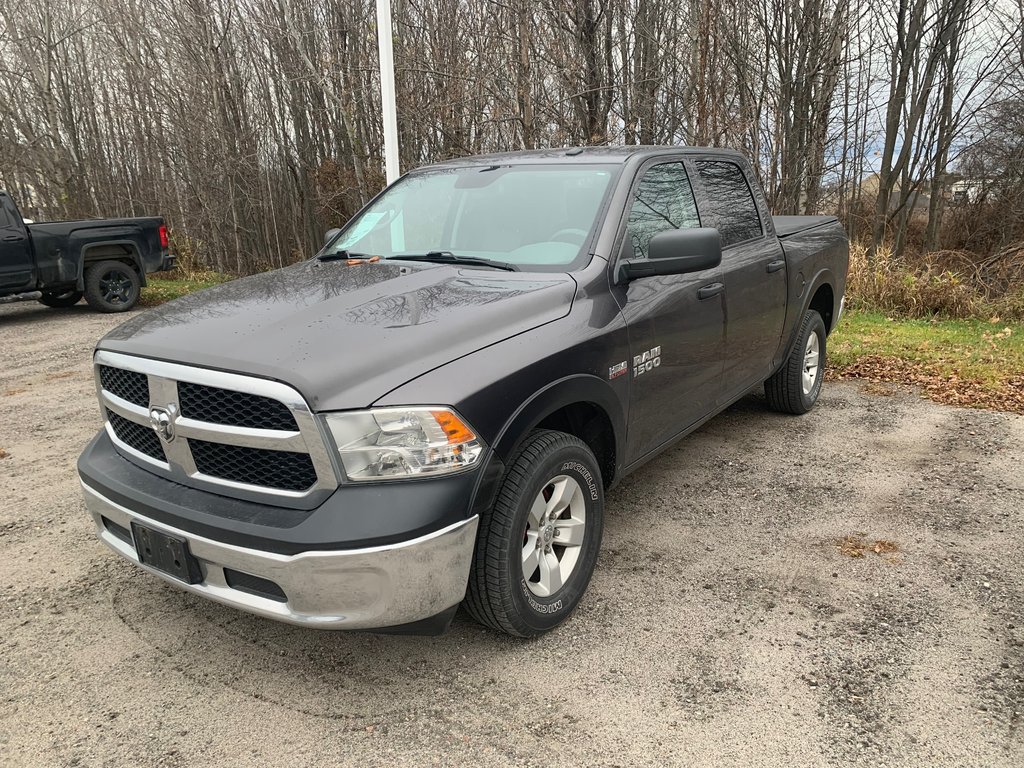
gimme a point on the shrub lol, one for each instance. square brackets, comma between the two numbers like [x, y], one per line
[952, 284]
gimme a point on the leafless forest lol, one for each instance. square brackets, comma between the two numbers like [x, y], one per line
[253, 125]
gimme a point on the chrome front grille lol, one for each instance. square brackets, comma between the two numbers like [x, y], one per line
[274, 469]
[234, 434]
[240, 409]
[128, 385]
[138, 436]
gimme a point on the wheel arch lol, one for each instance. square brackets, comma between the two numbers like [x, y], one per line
[822, 289]
[823, 302]
[582, 405]
[820, 296]
[126, 251]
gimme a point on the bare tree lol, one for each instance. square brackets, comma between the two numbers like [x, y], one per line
[253, 125]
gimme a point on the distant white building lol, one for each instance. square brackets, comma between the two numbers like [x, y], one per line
[964, 191]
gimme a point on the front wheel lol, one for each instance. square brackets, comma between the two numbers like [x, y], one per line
[537, 547]
[60, 300]
[795, 387]
[112, 286]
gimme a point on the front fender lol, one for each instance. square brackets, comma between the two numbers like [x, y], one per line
[580, 388]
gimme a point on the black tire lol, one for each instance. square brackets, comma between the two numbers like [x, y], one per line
[499, 595]
[61, 300]
[112, 286]
[785, 389]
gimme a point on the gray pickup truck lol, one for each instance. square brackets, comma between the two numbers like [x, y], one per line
[57, 262]
[429, 412]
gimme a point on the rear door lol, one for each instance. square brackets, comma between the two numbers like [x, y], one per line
[753, 270]
[16, 268]
[675, 336]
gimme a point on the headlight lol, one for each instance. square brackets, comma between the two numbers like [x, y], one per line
[387, 443]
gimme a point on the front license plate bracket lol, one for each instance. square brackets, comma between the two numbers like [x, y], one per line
[167, 554]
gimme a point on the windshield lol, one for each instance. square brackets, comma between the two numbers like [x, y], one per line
[527, 215]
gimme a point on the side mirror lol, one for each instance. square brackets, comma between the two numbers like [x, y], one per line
[330, 235]
[676, 252]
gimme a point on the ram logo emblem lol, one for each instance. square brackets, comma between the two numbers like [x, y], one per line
[162, 421]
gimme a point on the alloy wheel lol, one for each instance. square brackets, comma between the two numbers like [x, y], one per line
[554, 535]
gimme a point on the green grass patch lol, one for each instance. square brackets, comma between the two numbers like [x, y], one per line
[964, 362]
[169, 285]
[987, 351]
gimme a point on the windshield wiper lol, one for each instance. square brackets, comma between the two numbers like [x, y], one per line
[342, 256]
[447, 257]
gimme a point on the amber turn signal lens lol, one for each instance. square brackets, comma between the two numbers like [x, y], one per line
[456, 431]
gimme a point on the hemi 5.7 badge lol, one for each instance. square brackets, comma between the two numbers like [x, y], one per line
[619, 369]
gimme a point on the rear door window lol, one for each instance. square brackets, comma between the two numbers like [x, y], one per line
[731, 200]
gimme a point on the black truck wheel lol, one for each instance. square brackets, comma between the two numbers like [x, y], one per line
[111, 286]
[795, 387]
[60, 300]
[537, 547]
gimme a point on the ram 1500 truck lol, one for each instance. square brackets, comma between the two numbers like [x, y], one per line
[430, 411]
[57, 262]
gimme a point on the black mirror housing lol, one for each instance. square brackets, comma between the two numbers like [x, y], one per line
[676, 252]
[330, 235]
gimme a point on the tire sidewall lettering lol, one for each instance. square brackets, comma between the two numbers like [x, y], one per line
[539, 607]
[585, 474]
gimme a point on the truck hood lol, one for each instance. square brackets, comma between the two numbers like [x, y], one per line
[344, 336]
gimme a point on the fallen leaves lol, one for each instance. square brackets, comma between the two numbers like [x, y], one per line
[857, 547]
[4, 454]
[883, 547]
[940, 386]
[851, 547]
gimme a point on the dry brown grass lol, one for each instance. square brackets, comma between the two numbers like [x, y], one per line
[949, 284]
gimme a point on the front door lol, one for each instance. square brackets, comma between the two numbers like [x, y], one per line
[16, 269]
[676, 330]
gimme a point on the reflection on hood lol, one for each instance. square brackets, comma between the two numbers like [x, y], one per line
[345, 335]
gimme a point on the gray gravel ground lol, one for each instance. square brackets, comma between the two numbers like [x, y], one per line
[723, 626]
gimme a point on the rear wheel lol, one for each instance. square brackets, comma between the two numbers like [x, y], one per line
[795, 387]
[60, 300]
[537, 547]
[112, 286]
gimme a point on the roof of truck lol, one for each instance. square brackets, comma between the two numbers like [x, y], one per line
[605, 154]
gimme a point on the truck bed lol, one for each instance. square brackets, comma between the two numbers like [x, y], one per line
[786, 226]
[66, 227]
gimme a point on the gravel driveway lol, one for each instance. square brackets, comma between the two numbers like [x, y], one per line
[725, 624]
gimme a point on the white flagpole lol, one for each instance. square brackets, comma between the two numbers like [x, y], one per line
[387, 89]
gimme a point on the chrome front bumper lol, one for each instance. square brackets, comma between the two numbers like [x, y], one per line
[369, 588]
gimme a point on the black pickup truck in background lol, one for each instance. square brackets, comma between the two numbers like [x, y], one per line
[431, 410]
[58, 262]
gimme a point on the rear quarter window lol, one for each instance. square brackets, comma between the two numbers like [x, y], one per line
[731, 201]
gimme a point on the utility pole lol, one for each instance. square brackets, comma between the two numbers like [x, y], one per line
[387, 90]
